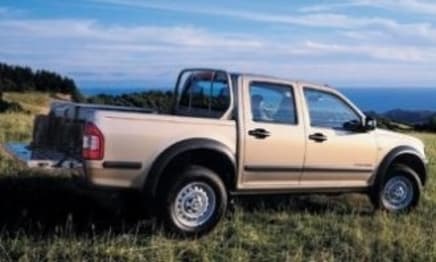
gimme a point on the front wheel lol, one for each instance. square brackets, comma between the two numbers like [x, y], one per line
[400, 190]
[195, 201]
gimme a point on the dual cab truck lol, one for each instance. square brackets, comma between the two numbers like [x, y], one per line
[231, 134]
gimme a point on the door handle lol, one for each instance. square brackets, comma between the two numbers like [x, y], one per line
[259, 133]
[318, 137]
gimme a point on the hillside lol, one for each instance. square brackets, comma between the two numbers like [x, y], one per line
[411, 117]
[24, 79]
[405, 120]
[49, 217]
[157, 100]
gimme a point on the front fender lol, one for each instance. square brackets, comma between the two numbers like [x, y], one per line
[390, 158]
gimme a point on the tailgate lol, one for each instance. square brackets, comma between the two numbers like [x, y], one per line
[56, 140]
[40, 158]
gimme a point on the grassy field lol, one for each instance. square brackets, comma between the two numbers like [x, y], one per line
[45, 216]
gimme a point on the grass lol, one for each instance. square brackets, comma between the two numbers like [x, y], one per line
[33, 102]
[46, 216]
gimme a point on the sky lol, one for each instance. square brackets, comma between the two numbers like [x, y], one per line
[127, 43]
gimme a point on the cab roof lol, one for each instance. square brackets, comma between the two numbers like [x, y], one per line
[280, 79]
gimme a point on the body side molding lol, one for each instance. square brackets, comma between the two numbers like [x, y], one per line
[122, 164]
[305, 169]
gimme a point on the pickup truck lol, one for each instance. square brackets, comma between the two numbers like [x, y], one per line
[230, 134]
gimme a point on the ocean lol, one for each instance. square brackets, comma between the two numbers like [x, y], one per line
[367, 99]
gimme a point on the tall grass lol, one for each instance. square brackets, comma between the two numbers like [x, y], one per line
[50, 217]
[34, 102]
[15, 127]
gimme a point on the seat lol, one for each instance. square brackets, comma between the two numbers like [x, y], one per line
[285, 113]
[256, 107]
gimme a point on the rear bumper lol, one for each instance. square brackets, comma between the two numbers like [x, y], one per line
[40, 157]
[88, 176]
[87, 185]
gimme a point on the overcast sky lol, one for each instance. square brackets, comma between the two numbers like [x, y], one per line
[145, 43]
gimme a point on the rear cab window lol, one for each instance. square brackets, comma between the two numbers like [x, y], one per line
[203, 94]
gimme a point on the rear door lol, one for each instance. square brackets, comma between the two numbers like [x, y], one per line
[273, 135]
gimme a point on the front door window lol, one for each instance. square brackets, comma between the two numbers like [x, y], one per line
[328, 110]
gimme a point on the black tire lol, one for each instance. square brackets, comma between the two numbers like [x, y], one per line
[409, 182]
[210, 183]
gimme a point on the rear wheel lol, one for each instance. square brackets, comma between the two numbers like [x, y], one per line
[194, 202]
[399, 191]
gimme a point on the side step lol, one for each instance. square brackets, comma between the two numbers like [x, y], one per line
[40, 158]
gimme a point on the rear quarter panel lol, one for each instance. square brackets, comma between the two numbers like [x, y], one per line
[136, 137]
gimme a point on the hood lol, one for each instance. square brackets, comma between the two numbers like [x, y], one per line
[394, 139]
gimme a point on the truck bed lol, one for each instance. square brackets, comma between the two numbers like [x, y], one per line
[75, 111]
[57, 137]
[133, 139]
[62, 129]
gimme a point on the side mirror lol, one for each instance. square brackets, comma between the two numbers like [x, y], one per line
[354, 125]
[370, 123]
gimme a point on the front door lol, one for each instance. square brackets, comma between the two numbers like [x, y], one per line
[274, 138]
[335, 155]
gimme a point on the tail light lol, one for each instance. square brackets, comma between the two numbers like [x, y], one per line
[93, 143]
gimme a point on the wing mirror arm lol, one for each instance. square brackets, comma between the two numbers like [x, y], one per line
[365, 125]
[370, 123]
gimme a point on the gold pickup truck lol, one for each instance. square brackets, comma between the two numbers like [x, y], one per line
[230, 134]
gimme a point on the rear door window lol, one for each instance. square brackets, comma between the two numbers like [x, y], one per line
[272, 103]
